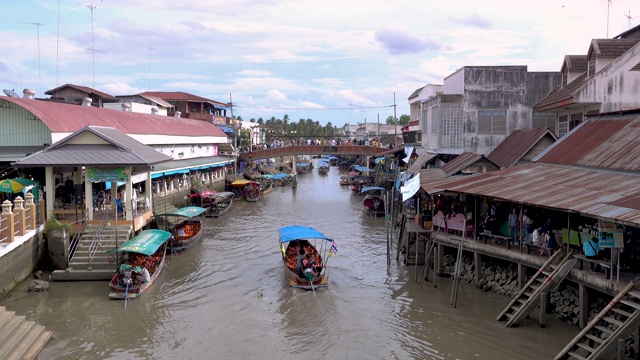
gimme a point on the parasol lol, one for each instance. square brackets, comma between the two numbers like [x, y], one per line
[10, 186]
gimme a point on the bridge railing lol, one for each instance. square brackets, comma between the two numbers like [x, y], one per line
[312, 150]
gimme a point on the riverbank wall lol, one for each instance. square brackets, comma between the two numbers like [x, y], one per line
[20, 258]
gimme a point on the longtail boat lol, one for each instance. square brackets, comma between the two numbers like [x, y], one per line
[188, 231]
[305, 256]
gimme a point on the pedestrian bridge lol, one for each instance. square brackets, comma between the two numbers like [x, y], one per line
[312, 150]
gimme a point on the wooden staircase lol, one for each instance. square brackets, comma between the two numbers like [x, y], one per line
[20, 338]
[607, 331]
[546, 280]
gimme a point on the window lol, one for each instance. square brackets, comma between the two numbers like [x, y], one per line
[492, 122]
[544, 120]
[563, 125]
[592, 67]
[576, 119]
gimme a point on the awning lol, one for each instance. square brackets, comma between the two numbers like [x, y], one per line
[184, 166]
[225, 148]
[420, 161]
[594, 193]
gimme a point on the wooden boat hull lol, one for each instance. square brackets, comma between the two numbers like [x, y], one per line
[119, 291]
[186, 234]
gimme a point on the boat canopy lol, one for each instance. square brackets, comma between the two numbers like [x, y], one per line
[370, 188]
[280, 176]
[299, 232]
[240, 182]
[188, 212]
[146, 243]
[267, 176]
[360, 168]
[323, 163]
[303, 164]
[224, 194]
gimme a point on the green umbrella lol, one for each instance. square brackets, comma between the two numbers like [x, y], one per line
[25, 181]
[10, 186]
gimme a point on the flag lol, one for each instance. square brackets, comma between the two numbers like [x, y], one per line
[334, 248]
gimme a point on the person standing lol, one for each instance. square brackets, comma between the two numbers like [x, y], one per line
[591, 250]
[526, 221]
[513, 224]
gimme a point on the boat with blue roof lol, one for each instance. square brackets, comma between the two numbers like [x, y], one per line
[306, 253]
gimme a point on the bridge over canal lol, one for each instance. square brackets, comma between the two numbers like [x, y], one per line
[312, 150]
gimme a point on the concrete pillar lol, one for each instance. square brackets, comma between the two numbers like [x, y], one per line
[148, 193]
[522, 275]
[6, 222]
[477, 260]
[30, 210]
[19, 219]
[437, 269]
[50, 184]
[88, 198]
[583, 306]
[127, 200]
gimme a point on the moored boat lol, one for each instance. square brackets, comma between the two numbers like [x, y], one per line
[303, 167]
[252, 191]
[188, 231]
[220, 204]
[374, 201]
[305, 256]
[144, 258]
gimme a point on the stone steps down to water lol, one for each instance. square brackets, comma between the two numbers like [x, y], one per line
[20, 338]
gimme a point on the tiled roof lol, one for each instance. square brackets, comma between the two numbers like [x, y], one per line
[611, 47]
[67, 118]
[576, 62]
[561, 96]
[181, 96]
[415, 93]
[603, 141]
[517, 145]
[120, 150]
[85, 89]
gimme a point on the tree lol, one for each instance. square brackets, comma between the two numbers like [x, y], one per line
[403, 120]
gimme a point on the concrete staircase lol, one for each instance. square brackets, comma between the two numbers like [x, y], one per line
[163, 205]
[20, 338]
[101, 267]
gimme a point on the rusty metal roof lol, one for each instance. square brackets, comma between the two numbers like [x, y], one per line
[67, 118]
[603, 141]
[517, 145]
[420, 161]
[85, 89]
[594, 193]
[464, 160]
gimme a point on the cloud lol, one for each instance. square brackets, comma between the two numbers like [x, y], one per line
[404, 41]
[474, 20]
[120, 89]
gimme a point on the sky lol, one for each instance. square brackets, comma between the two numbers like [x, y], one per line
[343, 62]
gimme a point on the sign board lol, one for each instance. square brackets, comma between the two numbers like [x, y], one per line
[331, 149]
[95, 174]
[610, 235]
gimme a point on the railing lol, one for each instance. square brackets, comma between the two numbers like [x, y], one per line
[97, 237]
[2, 230]
[16, 225]
[73, 245]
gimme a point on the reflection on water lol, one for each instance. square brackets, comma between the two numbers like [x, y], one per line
[227, 298]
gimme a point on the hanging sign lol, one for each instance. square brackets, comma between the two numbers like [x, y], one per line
[96, 174]
[610, 235]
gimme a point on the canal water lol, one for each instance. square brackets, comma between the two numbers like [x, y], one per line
[227, 298]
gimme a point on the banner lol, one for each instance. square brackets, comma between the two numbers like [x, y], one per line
[95, 174]
[410, 187]
[408, 150]
[610, 235]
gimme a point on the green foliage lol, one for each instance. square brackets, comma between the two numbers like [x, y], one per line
[54, 224]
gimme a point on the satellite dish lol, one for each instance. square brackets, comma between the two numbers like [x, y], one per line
[10, 93]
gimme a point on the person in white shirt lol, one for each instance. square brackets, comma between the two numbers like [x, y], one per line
[145, 276]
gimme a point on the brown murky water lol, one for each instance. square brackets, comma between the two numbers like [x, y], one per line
[227, 298]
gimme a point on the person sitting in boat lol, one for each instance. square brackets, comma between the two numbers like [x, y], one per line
[308, 269]
[145, 277]
[299, 260]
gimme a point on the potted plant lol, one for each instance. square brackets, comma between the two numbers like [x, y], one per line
[53, 227]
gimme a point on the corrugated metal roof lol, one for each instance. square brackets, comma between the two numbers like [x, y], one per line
[590, 192]
[420, 161]
[85, 89]
[67, 118]
[15, 153]
[460, 162]
[415, 93]
[604, 141]
[428, 176]
[391, 151]
[517, 145]
[561, 96]
[185, 164]
[120, 150]
[156, 100]
[181, 96]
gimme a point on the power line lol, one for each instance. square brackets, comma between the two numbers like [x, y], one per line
[317, 109]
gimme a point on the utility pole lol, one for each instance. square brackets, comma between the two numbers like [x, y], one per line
[395, 122]
[235, 139]
[93, 49]
[38, 24]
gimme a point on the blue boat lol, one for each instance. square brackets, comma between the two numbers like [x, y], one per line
[306, 253]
